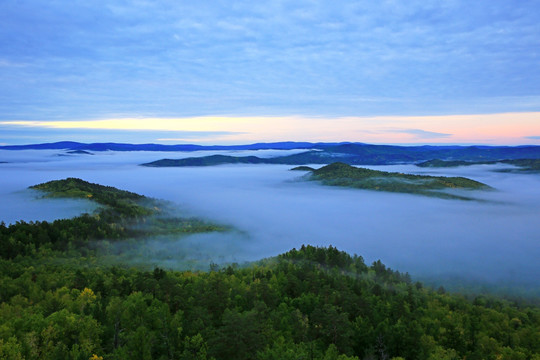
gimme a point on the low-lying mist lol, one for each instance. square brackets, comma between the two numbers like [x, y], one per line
[496, 240]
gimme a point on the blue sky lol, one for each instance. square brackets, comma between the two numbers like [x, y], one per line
[94, 60]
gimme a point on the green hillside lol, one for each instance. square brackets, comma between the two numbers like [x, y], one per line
[123, 215]
[58, 301]
[340, 174]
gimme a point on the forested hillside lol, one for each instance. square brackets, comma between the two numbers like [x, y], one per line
[58, 302]
[341, 174]
[123, 215]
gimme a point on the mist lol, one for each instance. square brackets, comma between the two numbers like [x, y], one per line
[495, 240]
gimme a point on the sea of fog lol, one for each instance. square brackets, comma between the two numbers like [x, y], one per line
[495, 239]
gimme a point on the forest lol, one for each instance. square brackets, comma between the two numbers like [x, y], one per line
[341, 174]
[57, 301]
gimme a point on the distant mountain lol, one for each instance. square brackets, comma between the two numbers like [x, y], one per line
[70, 145]
[384, 154]
[362, 154]
[524, 165]
[317, 153]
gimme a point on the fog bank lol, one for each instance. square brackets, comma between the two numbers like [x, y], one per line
[273, 211]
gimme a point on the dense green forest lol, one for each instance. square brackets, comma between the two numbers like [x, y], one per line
[122, 215]
[341, 174]
[58, 302]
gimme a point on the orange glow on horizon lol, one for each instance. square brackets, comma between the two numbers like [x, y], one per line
[505, 128]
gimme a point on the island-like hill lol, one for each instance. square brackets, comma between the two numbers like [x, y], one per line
[302, 168]
[438, 163]
[121, 215]
[524, 165]
[79, 152]
[209, 161]
[340, 174]
[120, 201]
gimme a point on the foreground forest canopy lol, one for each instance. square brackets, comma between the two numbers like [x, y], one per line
[58, 302]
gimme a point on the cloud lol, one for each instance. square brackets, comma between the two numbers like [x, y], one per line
[422, 134]
[199, 136]
[532, 137]
[40, 132]
[192, 59]
[273, 212]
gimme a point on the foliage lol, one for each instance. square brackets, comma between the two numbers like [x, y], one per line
[438, 163]
[123, 202]
[208, 161]
[340, 174]
[318, 303]
[302, 168]
[309, 303]
[123, 215]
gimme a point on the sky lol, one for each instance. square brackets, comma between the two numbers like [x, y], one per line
[224, 72]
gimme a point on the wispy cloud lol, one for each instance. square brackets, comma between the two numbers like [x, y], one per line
[38, 132]
[167, 59]
[532, 137]
[421, 134]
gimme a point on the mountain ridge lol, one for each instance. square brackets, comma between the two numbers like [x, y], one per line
[72, 145]
[316, 153]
